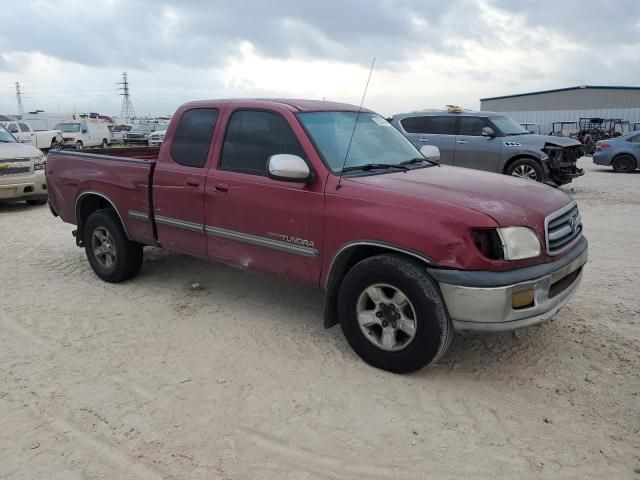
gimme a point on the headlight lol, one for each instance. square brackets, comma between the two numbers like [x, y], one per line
[519, 243]
[39, 163]
[507, 243]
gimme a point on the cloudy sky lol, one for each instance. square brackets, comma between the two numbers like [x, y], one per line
[70, 54]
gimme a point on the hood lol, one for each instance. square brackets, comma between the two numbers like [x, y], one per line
[18, 150]
[508, 200]
[530, 139]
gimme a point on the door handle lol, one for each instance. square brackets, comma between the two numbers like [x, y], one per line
[221, 187]
[423, 139]
[192, 184]
[461, 141]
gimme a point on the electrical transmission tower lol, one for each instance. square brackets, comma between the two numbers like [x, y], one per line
[19, 99]
[127, 111]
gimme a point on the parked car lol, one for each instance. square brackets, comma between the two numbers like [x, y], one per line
[21, 171]
[156, 138]
[140, 132]
[42, 139]
[622, 153]
[408, 251]
[492, 142]
[118, 131]
[80, 134]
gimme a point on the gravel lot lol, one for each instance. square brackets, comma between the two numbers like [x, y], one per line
[238, 379]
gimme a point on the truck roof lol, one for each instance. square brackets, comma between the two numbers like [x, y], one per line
[295, 105]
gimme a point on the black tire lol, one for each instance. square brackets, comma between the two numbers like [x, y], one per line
[433, 330]
[56, 146]
[79, 145]
[104, 144]
[127, 255]
[624, 164]
[38, 202]
[520, 168]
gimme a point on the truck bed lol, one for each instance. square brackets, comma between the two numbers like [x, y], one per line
[119, 176]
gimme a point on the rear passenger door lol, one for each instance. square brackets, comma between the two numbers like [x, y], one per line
[179, 183]
[253, 221]
[438, 131]
[27, 135]
[473, 150]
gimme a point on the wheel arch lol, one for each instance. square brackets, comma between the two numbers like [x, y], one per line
[522, 156]
[89, 202]
[349, 255]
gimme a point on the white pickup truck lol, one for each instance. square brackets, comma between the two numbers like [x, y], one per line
[21, 171]
[42, 139]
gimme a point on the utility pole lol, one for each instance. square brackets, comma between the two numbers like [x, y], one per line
[19, 99]
[127, 111]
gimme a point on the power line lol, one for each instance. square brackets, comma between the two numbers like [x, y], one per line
[127, 111]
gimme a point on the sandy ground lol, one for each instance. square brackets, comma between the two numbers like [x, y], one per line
[238, 379]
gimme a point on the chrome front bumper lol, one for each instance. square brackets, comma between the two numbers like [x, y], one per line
[489, 309]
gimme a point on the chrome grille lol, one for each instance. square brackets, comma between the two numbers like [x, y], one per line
[563, 229]
[14, 171]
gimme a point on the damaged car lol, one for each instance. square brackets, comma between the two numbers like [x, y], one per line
[492, 142]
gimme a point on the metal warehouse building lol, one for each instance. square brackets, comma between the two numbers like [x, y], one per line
[568, 104]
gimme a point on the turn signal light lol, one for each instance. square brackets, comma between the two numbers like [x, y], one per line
[522, 299]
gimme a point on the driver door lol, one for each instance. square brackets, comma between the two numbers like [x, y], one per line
[472, 149]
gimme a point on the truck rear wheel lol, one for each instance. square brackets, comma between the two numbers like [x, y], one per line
[112, 256]
[526, 168]
[392, 314]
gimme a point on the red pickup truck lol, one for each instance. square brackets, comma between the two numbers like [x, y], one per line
[408, 251]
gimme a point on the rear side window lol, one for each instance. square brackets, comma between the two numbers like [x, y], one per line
[413, 124]
[252, 137]
[440, 125]
[24, 127]
[635, 139]
[191, 142]
[472, 126]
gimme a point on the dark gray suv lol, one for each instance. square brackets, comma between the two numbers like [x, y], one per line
[492, 142]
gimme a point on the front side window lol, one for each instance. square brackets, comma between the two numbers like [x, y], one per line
[13, 128]
[375, 141]
[68, 127]
[472, 126]
[440, 125]
[252, 137]
[191, 142]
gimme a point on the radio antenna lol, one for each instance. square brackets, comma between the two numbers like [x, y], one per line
[355, 124]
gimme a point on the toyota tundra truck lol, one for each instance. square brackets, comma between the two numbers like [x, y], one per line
[408, 251]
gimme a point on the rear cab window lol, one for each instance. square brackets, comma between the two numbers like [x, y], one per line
[192, 138]
[253, 136]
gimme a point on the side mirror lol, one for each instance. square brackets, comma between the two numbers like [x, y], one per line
[289, 168]
[430, 152]
[84, 130]
[488, 132]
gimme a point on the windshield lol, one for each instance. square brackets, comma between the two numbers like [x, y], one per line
[374, 141]
[122, 128]
[508, 127]
[5, 136]
[68, 127]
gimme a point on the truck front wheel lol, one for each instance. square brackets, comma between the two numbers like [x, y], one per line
[112, 256]
[392, 314]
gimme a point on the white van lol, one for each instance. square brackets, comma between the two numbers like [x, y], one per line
[80, 134]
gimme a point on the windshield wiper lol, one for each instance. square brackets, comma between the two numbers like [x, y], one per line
[374, 166]
[6, 141]
[418, 160]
